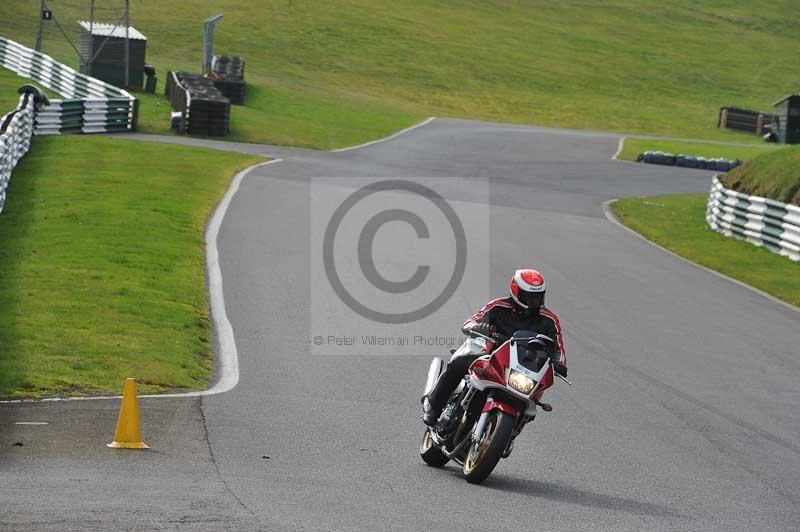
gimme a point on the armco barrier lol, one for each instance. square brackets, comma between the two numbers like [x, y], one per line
[16, 129]
[90, 105]
[762, 221]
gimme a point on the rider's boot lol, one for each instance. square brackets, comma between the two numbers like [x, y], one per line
[429, 414]
[435, 402]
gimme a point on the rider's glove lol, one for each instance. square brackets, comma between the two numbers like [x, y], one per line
[560, 368]
[482, 328]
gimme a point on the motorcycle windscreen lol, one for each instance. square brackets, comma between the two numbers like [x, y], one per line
[533, 359]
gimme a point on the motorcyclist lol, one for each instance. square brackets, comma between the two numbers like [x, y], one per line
[523, 310]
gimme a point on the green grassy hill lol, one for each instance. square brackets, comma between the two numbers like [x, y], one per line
[103, 263]
[331, 73]
[9, 82]
[773, 175]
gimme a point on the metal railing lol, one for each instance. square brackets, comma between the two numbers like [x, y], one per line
[90, 105]
[761, 221]
[16, 129]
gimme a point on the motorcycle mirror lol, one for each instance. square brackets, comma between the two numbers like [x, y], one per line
[545, 339]
[536, 344]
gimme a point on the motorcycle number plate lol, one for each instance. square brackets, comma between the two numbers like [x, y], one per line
[481, 342]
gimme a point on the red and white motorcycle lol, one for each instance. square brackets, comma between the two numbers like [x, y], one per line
[493, 403]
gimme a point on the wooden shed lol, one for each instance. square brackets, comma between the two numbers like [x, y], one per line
[786, 119]
[106, 44]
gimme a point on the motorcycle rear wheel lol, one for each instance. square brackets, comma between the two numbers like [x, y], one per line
[431, 454]
[484, 454]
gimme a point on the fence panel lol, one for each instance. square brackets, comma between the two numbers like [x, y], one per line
[16, 129]
[89, 105]
[761, 221]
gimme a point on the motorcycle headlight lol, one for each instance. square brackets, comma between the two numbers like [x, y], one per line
[521, 383]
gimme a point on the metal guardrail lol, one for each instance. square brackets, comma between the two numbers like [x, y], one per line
[761, 221]
[16, 129]
[90, 105]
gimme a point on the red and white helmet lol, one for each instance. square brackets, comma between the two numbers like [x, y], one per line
[527, 289]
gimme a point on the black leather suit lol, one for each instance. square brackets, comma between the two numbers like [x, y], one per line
[506, 318]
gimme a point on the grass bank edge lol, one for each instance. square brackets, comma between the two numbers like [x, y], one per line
[774, 175]
[104, 266]
[677, 223]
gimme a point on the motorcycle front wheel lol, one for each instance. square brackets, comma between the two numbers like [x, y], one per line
[487, 449]
[431, 454]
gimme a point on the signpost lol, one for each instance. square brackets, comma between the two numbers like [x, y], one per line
[208, 41]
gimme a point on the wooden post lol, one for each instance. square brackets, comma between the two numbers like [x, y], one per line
[134, 119]
[41, 26]
[760, 124]
[91, 39]
[127, 44]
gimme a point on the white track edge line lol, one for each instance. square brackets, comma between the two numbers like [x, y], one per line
[384, 139]
[612, 217]
[228, 356]
[619, 148]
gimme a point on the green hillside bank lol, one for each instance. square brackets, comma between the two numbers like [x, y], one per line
[328, 74]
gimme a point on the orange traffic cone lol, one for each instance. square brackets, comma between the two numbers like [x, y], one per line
[129, 428]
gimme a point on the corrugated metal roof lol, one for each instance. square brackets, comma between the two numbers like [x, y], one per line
[113, 30]
[786, 98]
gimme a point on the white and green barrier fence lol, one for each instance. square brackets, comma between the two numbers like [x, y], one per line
[16, 129]
[762, 221]
[89, 105]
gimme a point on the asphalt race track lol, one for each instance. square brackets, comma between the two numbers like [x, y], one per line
[683, 414]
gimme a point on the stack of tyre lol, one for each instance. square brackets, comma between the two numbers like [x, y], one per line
[227, 71]
[719, 164]
[203, 109]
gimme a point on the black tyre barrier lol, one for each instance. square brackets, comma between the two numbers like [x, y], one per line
[39, 97]
[228, 75]
[203, 109]
[657, 157]
[719, 164]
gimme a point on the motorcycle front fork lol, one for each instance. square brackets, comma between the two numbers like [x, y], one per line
[517, 431]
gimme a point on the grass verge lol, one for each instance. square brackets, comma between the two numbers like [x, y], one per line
[103, 267]
[632, 147]
[774, 175]
[678, 223]
[281, 117]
